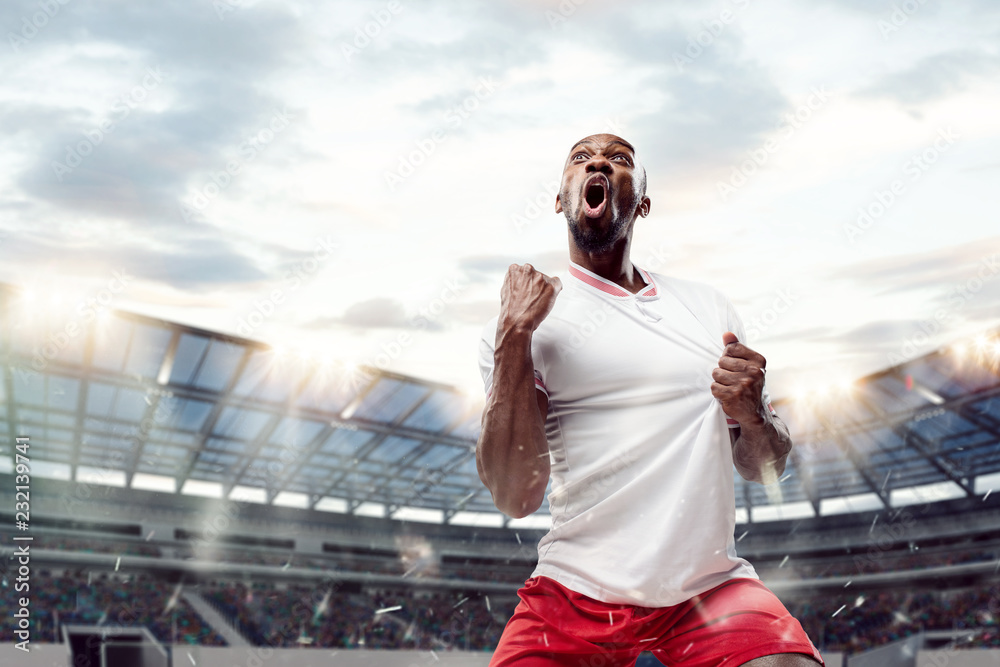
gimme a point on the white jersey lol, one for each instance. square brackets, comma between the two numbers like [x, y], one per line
[642, 499]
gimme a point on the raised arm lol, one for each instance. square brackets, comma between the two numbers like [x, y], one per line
[512, 454]
[761, 443]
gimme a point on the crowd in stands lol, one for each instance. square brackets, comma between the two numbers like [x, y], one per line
[107, 600]
[300, 615]
[333, 615]
[855, 622]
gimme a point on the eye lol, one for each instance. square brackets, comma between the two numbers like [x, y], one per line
[624, 158]
[579, 155]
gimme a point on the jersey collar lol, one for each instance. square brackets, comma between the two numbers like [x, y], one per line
[603, 285]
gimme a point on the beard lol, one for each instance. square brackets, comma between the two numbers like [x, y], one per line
[597, 240]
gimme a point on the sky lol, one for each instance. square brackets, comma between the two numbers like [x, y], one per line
[351, 180]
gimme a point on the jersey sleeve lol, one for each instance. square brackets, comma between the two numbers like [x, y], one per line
[735, 324]
[487, 343]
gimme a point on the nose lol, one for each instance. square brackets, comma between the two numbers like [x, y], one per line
[598, 163]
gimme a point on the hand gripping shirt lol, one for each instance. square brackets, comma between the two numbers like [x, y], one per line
[642, 497]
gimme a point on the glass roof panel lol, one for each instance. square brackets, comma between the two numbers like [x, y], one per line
[296, 432]
[389, 400]
[330, 389]
[219, 366]
[190, 350]
[191, 415]
[100, 398]
[62, 393]
[393, 449]
[111, 344]
[345, 443]
[439, 411]
[130, 405]
[145, 355]
[240, 423]
[438, 455]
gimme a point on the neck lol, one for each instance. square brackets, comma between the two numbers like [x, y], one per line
[613, 265]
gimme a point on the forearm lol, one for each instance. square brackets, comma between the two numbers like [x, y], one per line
[761, 449]
[512, 453]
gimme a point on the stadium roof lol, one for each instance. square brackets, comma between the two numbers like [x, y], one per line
[115, 398]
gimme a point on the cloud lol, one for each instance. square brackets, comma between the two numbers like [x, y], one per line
[940, 271]
[377, 313]
[934, 77]
[210, 74]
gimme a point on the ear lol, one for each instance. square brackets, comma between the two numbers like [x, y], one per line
[644, 207]
[558, 205]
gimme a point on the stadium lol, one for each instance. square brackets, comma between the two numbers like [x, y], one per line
[252, 253]
[201, 499]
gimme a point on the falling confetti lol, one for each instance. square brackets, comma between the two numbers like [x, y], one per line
[117, 563]
[488, 604]
[191, 658]
[859, 601]
[460, 602]
[849, 582]
[386, 610]
[740, 538]
[987, 495]
[783, 561]
[839, 610]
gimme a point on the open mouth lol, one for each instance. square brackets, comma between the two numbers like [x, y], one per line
[595, 195]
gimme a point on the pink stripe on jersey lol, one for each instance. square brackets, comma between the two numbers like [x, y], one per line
[609, 287]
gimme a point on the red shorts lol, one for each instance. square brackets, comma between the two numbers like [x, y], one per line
[731, 624]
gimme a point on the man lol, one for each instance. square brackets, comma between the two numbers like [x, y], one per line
[622, 385]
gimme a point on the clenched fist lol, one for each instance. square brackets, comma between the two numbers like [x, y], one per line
[739, 381]
[526, 298]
